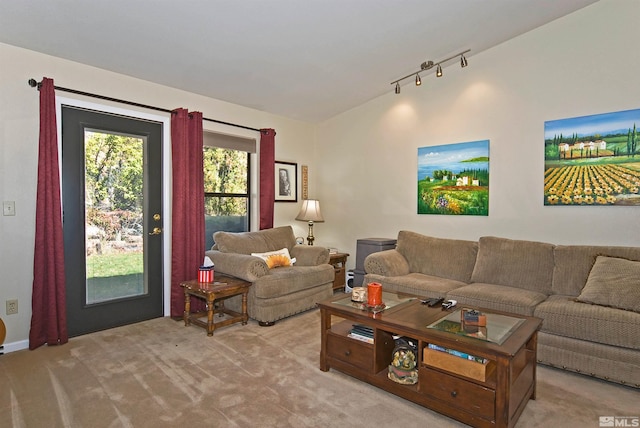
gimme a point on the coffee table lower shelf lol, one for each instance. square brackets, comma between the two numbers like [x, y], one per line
[495, 401]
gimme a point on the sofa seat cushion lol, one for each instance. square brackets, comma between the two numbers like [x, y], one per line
[498, 297]
[564, 316]
[514, 263]
[291, 279]
[416, 283]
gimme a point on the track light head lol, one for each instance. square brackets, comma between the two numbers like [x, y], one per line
[418, 80]
[463, 61]
[397, 87]
[439, 71]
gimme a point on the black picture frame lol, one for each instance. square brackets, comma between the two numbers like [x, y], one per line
[286, 181]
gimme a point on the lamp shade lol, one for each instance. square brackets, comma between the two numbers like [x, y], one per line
[310, 211]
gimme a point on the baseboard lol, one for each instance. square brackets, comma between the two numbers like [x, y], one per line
[14, 346]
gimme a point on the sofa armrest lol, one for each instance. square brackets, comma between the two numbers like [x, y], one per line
[386, 263]
[307, 255]
[241, 266]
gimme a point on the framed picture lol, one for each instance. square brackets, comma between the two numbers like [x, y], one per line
[286, 181]
[453, 179]
[592, 160]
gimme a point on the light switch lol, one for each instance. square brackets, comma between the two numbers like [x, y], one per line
[9, 208]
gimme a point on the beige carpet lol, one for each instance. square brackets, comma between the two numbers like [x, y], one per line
[160, 373]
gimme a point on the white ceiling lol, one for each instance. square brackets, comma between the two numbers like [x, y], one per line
[303, 59]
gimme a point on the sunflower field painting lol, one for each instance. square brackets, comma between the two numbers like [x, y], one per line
[592, 160]
[453, 179]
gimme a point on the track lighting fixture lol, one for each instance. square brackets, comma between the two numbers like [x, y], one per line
[428, 65]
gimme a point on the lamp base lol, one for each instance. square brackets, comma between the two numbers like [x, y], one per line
[310, 238]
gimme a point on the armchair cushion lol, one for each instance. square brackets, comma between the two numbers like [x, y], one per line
[276, 258]
[255, 242]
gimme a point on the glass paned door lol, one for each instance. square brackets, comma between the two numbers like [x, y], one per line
[112, 219]
[113, 216]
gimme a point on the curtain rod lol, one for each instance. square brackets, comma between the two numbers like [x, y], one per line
[35, 84]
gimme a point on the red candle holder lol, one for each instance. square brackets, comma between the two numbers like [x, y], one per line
[374, 294]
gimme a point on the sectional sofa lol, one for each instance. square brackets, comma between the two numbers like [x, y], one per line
[587, 296]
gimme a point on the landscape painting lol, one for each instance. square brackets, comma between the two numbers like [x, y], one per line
[592, 160]
[453, 179]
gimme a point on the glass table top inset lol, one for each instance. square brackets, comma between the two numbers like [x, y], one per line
[389, 300]
[498, 327]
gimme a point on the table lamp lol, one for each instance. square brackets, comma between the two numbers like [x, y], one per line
[310, 212]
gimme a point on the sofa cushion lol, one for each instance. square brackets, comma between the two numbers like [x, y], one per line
[418, 284]
[497, 297]
[613, 282]
[292, 279]
[564, 316]
[445, 258]
[277, 258]
[522, 264]
[255, 242]
[574, 262]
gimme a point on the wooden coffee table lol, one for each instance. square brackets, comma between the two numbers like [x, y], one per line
[214, 293]
[494, 397]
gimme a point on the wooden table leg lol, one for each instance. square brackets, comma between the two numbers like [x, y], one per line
[187, 307]
[210, 307]
[245, 317]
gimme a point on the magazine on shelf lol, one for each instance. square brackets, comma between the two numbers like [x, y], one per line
[458, 353]
[360, 337]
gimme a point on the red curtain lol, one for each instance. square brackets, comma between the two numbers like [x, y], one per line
[187, 239]
[267, 177]
[48, 305]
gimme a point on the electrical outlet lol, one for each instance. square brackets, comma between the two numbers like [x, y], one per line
[12, 307]
[9, 208]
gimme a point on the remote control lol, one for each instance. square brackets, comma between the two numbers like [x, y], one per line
[449, 304]
[435, 301]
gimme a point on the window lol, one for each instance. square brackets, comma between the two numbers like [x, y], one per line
[227, 169]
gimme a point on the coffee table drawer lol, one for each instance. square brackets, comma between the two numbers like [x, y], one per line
[354, 352]
[458, 393]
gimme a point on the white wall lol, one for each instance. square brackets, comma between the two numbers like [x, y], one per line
[19, 123]
[583, 64]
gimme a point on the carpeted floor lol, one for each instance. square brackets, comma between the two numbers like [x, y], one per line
[160, 373]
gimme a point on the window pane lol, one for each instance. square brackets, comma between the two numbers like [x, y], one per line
[113, 216]
[229, 214]
[225, 170]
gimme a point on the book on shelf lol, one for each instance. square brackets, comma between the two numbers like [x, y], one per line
[361, 332]
[360, 337]
[362, 329]
[457, 353]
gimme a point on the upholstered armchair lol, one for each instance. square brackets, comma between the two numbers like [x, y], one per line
[278, 291]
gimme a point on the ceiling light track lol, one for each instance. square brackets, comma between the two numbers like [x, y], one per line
[428, 65]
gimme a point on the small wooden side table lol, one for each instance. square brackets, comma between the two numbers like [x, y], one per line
[214, 293]
[339, 262]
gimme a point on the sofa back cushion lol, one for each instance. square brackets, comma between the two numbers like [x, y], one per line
[574, 262]
[444, 258]
[522, 264]
[260, 241]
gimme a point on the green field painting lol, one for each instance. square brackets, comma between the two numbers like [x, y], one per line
[453, 179]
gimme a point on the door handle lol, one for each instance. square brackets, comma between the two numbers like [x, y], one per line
[156, 231]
